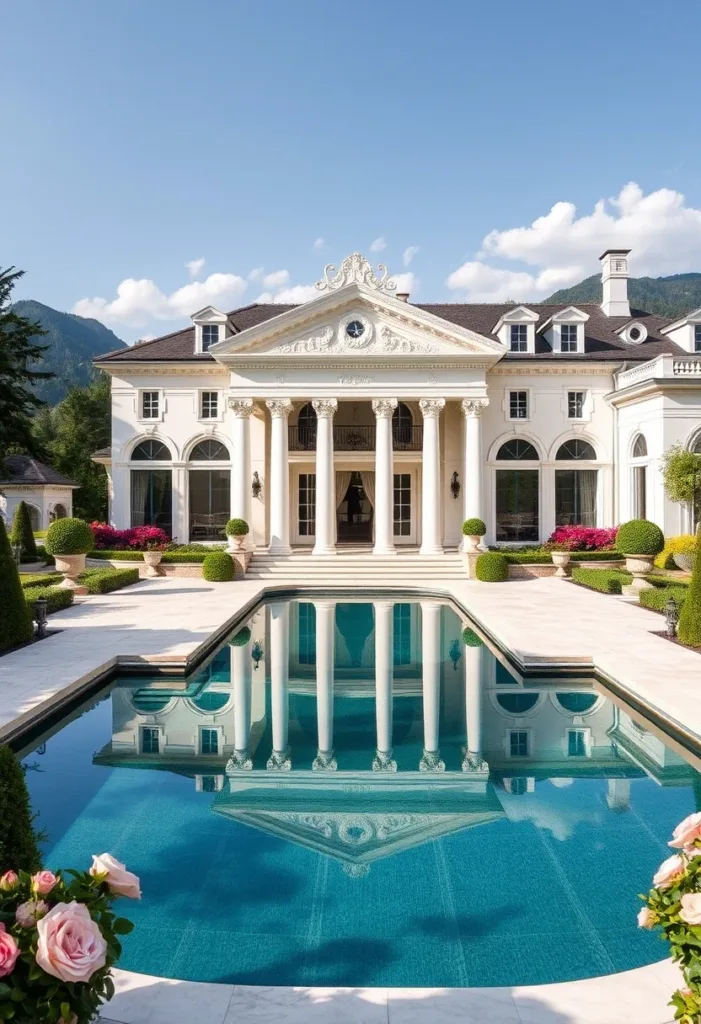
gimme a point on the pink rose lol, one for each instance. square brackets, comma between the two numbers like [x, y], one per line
[646, 918]
[27, 914]
[118, 879]
[9, 880]
[687, 832]
[43, 882]
[9, 951]
[691, 908]
[668, 872]
[70, 946]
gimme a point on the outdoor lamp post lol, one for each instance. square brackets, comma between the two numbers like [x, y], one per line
[40, 616]
[17, 554]
[671, 615]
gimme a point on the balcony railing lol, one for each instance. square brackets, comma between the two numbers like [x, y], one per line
[356, 439]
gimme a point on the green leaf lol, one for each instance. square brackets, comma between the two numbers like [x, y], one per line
[17, 995]
[122, 926]
[66, 1011]
[4, 990]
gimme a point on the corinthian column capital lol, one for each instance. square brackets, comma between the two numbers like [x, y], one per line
[325, 407]
[241, 407]
[474, 406]
[279, 406]
[384, 407]
[431, 407]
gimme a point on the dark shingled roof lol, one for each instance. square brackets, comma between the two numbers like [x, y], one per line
[601, 341]
[23, 469]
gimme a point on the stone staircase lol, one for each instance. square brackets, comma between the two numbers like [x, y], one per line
[349, 568]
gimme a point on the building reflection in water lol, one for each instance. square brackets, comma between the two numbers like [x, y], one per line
[361, 729]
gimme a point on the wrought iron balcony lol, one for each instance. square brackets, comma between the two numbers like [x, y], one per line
[355, 439]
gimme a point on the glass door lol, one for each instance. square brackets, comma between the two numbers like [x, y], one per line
[517, 505]
[403, 527]
[306, 505]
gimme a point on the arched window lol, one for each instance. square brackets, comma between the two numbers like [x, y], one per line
[639, 447]
[306, 427]
[517, 703]
[149, 702]
[151, 451]
[575, 449]
[577, 703]
[402, 425]
[58, 512]
[517, 449]
[209, 451]
[696, 445]
[210, 702]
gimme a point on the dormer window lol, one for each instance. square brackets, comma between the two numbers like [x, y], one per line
[519, 337]
[210, 336]
[569, 338]
[697, 337]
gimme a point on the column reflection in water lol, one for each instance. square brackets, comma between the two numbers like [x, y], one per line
[384, 662]
[474, 672]
[431, 661]
[279, 760]
[325, 636]
[241, 668]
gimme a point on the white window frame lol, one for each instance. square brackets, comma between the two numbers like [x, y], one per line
[161, 738]
[529, 741]
[219, 730]
[577, 339]
[199, 782]
[510, 416]
[586, 732]
[583, 393]
[209, 327]
[208, 317]
[140, 405]
[697, 339]
[520, 328]
[200, 405]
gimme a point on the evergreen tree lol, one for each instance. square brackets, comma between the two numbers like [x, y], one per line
[18, 360]
[15, 617]
[19, 850]
[22, 532]
[689, 631]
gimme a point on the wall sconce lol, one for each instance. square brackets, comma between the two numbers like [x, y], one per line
[455, 486]
[454, 653]
[256, 486]
[257, 654]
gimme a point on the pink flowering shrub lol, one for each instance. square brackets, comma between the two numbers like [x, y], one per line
[136, 538]
[56, 953]
[674, 905]
[583, 538]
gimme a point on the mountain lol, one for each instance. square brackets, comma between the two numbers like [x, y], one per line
[666, 296]
[73, 341]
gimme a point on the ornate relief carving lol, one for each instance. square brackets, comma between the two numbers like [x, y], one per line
[324, 761]
[319, 343]
[355, 269]
[355, 382]
[431, 762]
[391, 342]
[325, 406]
[384, 341]
[474, 406]
[279, 406]
[383, 762]
[431, 406]
[384, 407]
[474, 763]
[241, 407]
[239, 761]
[279, 761]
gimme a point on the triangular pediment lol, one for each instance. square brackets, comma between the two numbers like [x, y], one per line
[356, 321]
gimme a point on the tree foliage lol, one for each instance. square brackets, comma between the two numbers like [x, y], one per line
[22, 532]
[69, 433]
[19, 353]
[19, 850]
[682, 474]
[689, 631]
[15, 618]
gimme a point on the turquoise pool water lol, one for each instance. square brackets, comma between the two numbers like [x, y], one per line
[506, 848]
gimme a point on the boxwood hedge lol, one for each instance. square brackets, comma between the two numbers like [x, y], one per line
[218, 567]
[657, 598]
[104, 581]
[607, 581]
[491, 567]
[56, 598]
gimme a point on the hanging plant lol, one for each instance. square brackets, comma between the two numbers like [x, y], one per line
[682, 474]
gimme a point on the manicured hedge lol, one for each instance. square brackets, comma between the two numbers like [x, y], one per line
[39, 579]
[104, 581]
[22, 532]
[169, 557]
[639, 537]
[474, 528]
[607, 581]
[689, 631]
[657, 598]
[56, 598]
[69, 537]
[16, 625]
[241, 638]
[19, 849]
[491, 567]
[543, 557]
[218, 567]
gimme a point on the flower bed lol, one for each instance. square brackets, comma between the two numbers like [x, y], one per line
[583, 538]
[136, 538]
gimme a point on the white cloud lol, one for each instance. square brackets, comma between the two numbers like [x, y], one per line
[407, 282]
[277, 279]
[663, 232]
[195, 266]
[319, 243]
[256, 274]
[378, 245]
[139, 302]
[295, 295]
[409, 253]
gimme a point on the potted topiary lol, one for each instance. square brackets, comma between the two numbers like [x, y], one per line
[69, 541]
[237, 530]
[473, 530]
[491, 567]
[218, 567]
[639, 541]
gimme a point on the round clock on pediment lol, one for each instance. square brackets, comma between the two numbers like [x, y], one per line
[355, 329]
[355, 332]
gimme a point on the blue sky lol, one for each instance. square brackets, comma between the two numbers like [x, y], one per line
[144, 134]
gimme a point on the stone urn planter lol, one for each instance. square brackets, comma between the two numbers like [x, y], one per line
[684, 562]
[472, 542]
[152, 560]
[71, 566]
[561, 559]
[639, 566]
[235, 543]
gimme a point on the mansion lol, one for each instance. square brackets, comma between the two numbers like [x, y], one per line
[361, 418]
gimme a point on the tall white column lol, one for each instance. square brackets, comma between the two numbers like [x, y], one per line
[280, 409]
[279, 760]
[325, 543]
[472, 409]
[384, 476]
[241, 460]
[474, 677]
[241, 667]
[180, 529]
[431, 661]
[431, 543]
[325, 636]
[384, 677]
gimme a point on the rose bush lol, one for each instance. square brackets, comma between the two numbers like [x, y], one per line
[674, 905]
[136, 538]
[59, 940]
[582, 538]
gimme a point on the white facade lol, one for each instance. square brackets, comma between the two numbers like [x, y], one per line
[352, 418]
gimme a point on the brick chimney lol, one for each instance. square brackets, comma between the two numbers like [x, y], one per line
[614, 282]
[403, 296]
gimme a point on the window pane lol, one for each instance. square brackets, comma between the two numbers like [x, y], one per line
[575, 405]
[517, 703]
[517, 504]
[575, 497]
[306, 507]
[518, 744]
[210, 405]
[518, 405]
[209, 451]
[576, 745]
[307, 634]
[209, 740]
[149, 741]
[151, 498]
[575, 449]
[639, 492]
[149, 405]
[210, 491]
[402, 634]
[210, 335]
[517, 449]
[151, 451]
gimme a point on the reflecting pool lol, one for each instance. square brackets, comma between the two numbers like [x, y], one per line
[361, 793]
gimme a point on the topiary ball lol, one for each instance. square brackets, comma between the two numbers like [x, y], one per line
[470, 638]
[241, 638]
[491, 567]
[474, 528]
[69, 537]
[639, 537]
[218, 567]
[237, 528]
